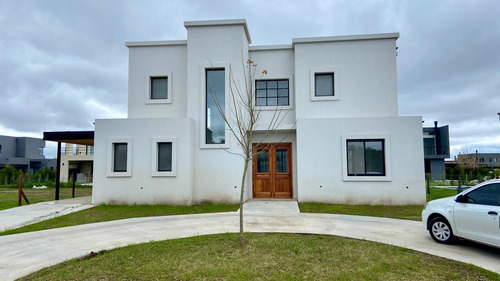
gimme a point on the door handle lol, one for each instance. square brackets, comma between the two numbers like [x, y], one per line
[492, 213]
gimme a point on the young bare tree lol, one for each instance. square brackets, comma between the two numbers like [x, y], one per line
[466, 158]
[241, 117]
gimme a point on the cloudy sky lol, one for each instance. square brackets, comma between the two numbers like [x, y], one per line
[64, 63]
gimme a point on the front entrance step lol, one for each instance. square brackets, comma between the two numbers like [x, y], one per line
[271, 206]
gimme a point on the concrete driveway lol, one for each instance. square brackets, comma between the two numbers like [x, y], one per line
[24, 253]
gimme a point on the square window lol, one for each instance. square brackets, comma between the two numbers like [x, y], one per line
[119, 157]
[164, 157]
[324, 84]
[159, 88]
[365, 158]
[272, 92]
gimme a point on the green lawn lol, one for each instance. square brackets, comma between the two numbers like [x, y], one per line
[8, 195]
[265, 257]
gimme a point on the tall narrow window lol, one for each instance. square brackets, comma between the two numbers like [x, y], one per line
[159, 88]
[164, 157]
[263, 161]
[365, 158]
[119, 157]
[216, 98]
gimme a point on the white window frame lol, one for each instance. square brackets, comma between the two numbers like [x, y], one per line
[110, 157]
[154, 157]
[275, 107]
[147, 90]
[336, 93]
[203, 105]
[387, 156]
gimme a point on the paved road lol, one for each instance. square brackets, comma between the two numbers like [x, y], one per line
[27, 252]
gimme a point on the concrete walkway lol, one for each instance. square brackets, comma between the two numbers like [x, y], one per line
[24, 253]
[33, 213]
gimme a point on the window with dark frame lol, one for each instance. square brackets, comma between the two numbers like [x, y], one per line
[159, 88]
[272, 92]
[365, 157]
[324, 84]
[164, 157]
[120, 157]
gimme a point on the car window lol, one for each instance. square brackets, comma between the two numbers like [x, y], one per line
[486, 195]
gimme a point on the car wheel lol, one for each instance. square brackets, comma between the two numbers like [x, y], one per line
[440, 230]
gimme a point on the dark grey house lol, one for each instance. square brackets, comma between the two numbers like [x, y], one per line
[436, 149]
[24, 153]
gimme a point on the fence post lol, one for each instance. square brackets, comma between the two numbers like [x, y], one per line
[428, 186]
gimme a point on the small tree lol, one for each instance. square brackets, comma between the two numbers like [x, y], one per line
[241, 118]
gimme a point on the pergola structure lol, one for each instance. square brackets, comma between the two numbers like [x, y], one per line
[74, 137]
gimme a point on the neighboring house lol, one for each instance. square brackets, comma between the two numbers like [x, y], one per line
[485, 160]
[77, 161]
[436, 149]
[341, 140]
[24, 154]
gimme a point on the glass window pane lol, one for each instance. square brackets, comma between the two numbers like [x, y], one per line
[215, 91]
[487, 195]
[283, 84]
[324, 84]
[374, 157]
[159, 89]
[283, 92]
[283, 101]
[164, 157]
[272, 84]
[272, 101]
[261, 101]
[355, 157]
[120, 157]
[263, 161]
[261, 93]
[281, 161]
[260, 85]
[272, 93]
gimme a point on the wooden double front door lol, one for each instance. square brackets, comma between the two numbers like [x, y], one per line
[272, 170]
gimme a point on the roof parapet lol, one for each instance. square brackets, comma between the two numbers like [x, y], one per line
[346, 38]
[220, 23]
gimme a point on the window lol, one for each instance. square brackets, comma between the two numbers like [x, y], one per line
[324, 84]
[0, 148]
[164, 157]
[486, 195]
[281, 161]
[272, 92]
[159, 88]
[263, 161]
[119, 157]
[215, 102]
[365, 158]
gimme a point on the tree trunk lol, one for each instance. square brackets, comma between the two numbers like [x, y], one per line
[242, 234]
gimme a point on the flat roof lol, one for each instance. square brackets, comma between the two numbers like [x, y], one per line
[201, 23]
[394, 35]
[156, 43]
[75, 137]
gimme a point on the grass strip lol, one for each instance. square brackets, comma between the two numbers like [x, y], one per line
[8, 195]
[265, 257]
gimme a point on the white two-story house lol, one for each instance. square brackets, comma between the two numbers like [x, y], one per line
[340, 141]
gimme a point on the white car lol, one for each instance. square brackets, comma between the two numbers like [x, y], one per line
[473, 214]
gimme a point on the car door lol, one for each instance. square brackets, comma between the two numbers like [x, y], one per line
[477, 216]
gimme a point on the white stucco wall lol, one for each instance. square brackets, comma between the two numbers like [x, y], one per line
[141, 187]
[322, 172]
[366, 73]
[167, 59]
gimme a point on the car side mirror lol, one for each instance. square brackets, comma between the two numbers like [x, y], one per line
[461, 199]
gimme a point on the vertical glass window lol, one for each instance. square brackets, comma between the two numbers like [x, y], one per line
[119, 157]
[323, 84]
[365, 158]
[164, 157]
[159, 88]
[272, 92]
[263, 161]
[215, 91]
[281, 161]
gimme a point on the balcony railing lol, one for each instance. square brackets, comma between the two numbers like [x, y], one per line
[433, 150]
[89, 150]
